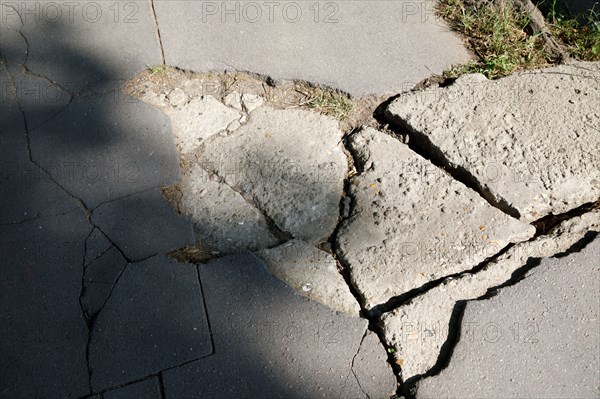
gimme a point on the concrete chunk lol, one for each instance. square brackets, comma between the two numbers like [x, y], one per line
[531, 140]
[312, 273]
[224, 221]
[412, 223]
[548, 348]
[418, 330]
[290, 163]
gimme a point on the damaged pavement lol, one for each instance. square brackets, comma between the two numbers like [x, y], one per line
[197, 238]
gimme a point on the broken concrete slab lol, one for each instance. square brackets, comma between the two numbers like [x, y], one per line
[198, 120]
[549, 348]
[361, 47]
[224, 221]
[41, 325]
[269, 341]
[312, 273]
[529, 141]
[412, 223]
[107, 146]
[146, 389]
[154, 319]
[371, 369]
[290, 163]
[132, 222]
[82, 54]
[418, 330]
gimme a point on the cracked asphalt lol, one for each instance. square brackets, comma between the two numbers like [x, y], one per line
[195, 241]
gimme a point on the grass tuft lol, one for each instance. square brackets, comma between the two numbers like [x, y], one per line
[496, 33]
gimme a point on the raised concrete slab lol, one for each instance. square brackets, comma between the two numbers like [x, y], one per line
[530, 141]
[271, 342]
[358, 46]
[43, 335]
[311, 272]
[548, 348]
[132, 224]
[412, 223]
[418, 330]
[107, 146]
[153, 320]
[290, 163]
[95, 44]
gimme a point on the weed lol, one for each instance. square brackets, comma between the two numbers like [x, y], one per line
[496, 33]
[158, 69]
[329, 102]
[579, 33]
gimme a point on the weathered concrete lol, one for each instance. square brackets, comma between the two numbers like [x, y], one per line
[358, 46]
[153, 320]
[312, 273]
[224, 221]
[131, 223]
[197, 120]
[412, 223]
[370, 367]
[418, 329]
[537, 339]
[530, 141]
[290, 163]
[271, 342]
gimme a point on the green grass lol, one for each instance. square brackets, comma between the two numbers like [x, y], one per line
[579, 33]
[158, 69]
[496, 33]
[330, 103]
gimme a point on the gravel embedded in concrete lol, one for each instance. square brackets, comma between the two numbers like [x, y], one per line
[412, 223]
[530, 140]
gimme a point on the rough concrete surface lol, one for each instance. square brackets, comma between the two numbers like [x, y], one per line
[530, 140]
[412, 223]
[199, 118]
[418, 330]
[273, 343]
[312, 273]
[537, 339]
[224, 221]
[298, 186]
[358, 46]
